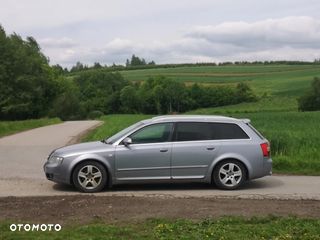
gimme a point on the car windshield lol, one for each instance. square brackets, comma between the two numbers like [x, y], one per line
[120, 134]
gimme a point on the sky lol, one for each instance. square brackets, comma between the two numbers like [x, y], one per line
[167, 31]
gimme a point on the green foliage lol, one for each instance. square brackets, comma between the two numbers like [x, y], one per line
[281, 228]
[100, 91]
[136, 61]
[67, 106]
[310, 101]
[26, 80]
[10, 127]
[95, 115]
[161, 95]
[129, 99]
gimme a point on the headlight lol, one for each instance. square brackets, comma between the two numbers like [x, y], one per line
[55, 159]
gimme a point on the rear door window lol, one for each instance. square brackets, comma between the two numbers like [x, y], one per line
[192, 131]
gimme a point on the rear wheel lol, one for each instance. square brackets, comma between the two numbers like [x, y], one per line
[229, 174]
[89, 176]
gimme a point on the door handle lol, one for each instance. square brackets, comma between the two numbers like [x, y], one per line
[163, 150]
[210, 148]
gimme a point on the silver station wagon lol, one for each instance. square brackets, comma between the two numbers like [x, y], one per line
[212, 149]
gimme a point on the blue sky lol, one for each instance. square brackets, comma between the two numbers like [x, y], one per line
[167, 31]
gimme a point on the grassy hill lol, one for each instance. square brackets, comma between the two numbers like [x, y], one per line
[280, 80]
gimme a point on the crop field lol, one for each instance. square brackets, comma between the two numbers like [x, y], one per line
[294, 136]
[281, 80]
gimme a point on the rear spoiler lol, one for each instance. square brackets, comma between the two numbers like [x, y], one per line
[245, 120]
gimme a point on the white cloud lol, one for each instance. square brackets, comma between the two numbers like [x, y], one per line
[290, 38]
[301, 31]
[57, 43]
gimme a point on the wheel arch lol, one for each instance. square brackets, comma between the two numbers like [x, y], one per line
[239, 159]
[97, 159]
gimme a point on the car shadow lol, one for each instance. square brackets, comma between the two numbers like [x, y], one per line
[268, 182]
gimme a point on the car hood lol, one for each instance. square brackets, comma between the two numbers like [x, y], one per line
[81, 148]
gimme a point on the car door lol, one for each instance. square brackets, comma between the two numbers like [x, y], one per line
[193, 150]
[148, 157]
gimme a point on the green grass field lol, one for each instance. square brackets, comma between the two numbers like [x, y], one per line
[294, 136]
[10, 127]
[281, 80]
[221, 228]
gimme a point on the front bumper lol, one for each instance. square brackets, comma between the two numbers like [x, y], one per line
[54, 172]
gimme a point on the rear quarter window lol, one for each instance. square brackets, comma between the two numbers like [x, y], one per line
[220, 131]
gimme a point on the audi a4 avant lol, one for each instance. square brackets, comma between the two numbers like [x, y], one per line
[213, 149]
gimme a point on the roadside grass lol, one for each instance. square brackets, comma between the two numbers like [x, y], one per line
[113, 124]
[294, 136]
[11, 127]
[221, 228]
[265, 104]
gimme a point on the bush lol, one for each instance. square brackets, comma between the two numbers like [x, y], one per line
[95, 114]
[310, 101]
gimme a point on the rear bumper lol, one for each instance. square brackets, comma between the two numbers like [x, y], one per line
[267, 167]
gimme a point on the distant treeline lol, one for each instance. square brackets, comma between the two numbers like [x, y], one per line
[93, 94]
[139, 63]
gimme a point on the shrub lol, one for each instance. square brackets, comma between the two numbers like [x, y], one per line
[95, 114]
[310, 101]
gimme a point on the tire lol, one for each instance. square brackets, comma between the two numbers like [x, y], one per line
[229, 174]
[89, 177]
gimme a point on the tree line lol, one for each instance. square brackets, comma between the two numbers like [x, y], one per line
[140, 63]
[31, 88]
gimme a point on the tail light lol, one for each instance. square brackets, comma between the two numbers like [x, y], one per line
[265, 149]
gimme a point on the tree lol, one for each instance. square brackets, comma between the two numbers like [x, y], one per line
[97, 65]
[100, 90]
[78, 67]
[27, 86]
[244, 93]
[129, 99]
[310, 101]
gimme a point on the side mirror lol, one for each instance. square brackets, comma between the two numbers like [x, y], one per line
[127, 141]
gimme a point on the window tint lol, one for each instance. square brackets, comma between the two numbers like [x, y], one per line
[221, 131]
[192, 131]
[152, 133]
[196, 131]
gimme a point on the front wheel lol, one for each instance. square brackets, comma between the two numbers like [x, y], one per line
[229, 174]
[89, 177]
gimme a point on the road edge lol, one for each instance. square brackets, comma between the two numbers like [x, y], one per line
[80, 136]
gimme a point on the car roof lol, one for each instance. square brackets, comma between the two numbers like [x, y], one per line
[196, 118]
